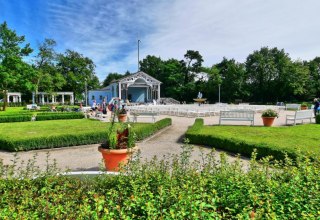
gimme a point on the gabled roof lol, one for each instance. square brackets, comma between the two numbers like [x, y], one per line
[139, 74]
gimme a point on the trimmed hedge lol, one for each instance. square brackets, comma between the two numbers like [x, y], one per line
[318, 119]
[40, 116]
[93, 136]
[15, 118]
[57, 116]
[234, 145]
[149, 129]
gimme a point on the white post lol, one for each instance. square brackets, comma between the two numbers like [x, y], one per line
[8, 98]
[219, 93]
[63, 99]
[120, 90]
[158, 92]
[71, 100]
[42, 99]
[52, 98]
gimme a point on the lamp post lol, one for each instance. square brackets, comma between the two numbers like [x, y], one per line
[219, 92]
[86, 92]
[138, 55]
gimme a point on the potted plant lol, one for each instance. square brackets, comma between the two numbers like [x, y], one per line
[122, 114]
[268, 117]
[119, 145]
[304, 106]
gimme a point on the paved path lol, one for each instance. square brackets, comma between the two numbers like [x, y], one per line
[167, 141]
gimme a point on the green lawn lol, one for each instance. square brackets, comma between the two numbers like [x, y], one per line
[60, 133]
[288, 138]
[25, 130]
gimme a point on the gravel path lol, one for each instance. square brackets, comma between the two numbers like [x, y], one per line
[167, 141]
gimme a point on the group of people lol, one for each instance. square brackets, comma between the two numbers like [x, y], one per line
[101, 108]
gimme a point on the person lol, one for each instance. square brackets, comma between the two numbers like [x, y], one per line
[316, 106]
[104, 107]
[94, 105]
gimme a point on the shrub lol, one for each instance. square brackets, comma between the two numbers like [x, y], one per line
[170, 188]
[269, 113]
[15, 118]
[58, 116]
[318, 119]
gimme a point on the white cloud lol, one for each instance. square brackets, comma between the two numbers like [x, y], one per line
[107, 31]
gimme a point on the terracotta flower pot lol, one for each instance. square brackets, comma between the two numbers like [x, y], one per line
[113, 158]
[268, 121]
[304, 107]
[122, 117]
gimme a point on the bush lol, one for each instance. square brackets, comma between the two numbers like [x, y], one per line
[57, 116]
[149, 129]
[170, 188]
[15, 118]
[318, 119]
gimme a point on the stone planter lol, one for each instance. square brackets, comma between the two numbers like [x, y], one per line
[122, 117]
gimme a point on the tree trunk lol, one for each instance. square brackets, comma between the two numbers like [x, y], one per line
[5, 100]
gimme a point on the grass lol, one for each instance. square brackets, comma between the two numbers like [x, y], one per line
[62, 133]
[25, 130]
[290, 139]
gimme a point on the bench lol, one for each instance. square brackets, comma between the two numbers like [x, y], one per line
[151, 115]
[300, 115]
[33, 107]
[237, 115]
[293, 106]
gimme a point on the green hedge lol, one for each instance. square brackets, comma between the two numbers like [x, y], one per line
[57, 115]
[235, 146]
[148, 129]
[318, 119]
[15, 118]
[93, 136]
[162, 189]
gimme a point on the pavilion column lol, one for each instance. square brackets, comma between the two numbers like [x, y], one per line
[63, 99]
[33, 98]
[42, 99]
[19, 98]
[120, 90]
[71, 100]
[52, 98]
[158, 92]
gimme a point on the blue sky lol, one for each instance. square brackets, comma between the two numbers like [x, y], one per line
[107, 30]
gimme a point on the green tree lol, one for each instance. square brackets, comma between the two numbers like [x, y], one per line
[77, 70]
[173, 80]
[15, 74]
[268, 74]
[153, 66]
[48, 78]
[111, 77]
[233, 80]
[314, 80]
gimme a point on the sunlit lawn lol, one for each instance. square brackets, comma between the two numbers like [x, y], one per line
[304, 137]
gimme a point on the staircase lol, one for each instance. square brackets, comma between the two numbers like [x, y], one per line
[169, 101]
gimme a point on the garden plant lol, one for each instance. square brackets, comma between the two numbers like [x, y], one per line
[169, 188]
